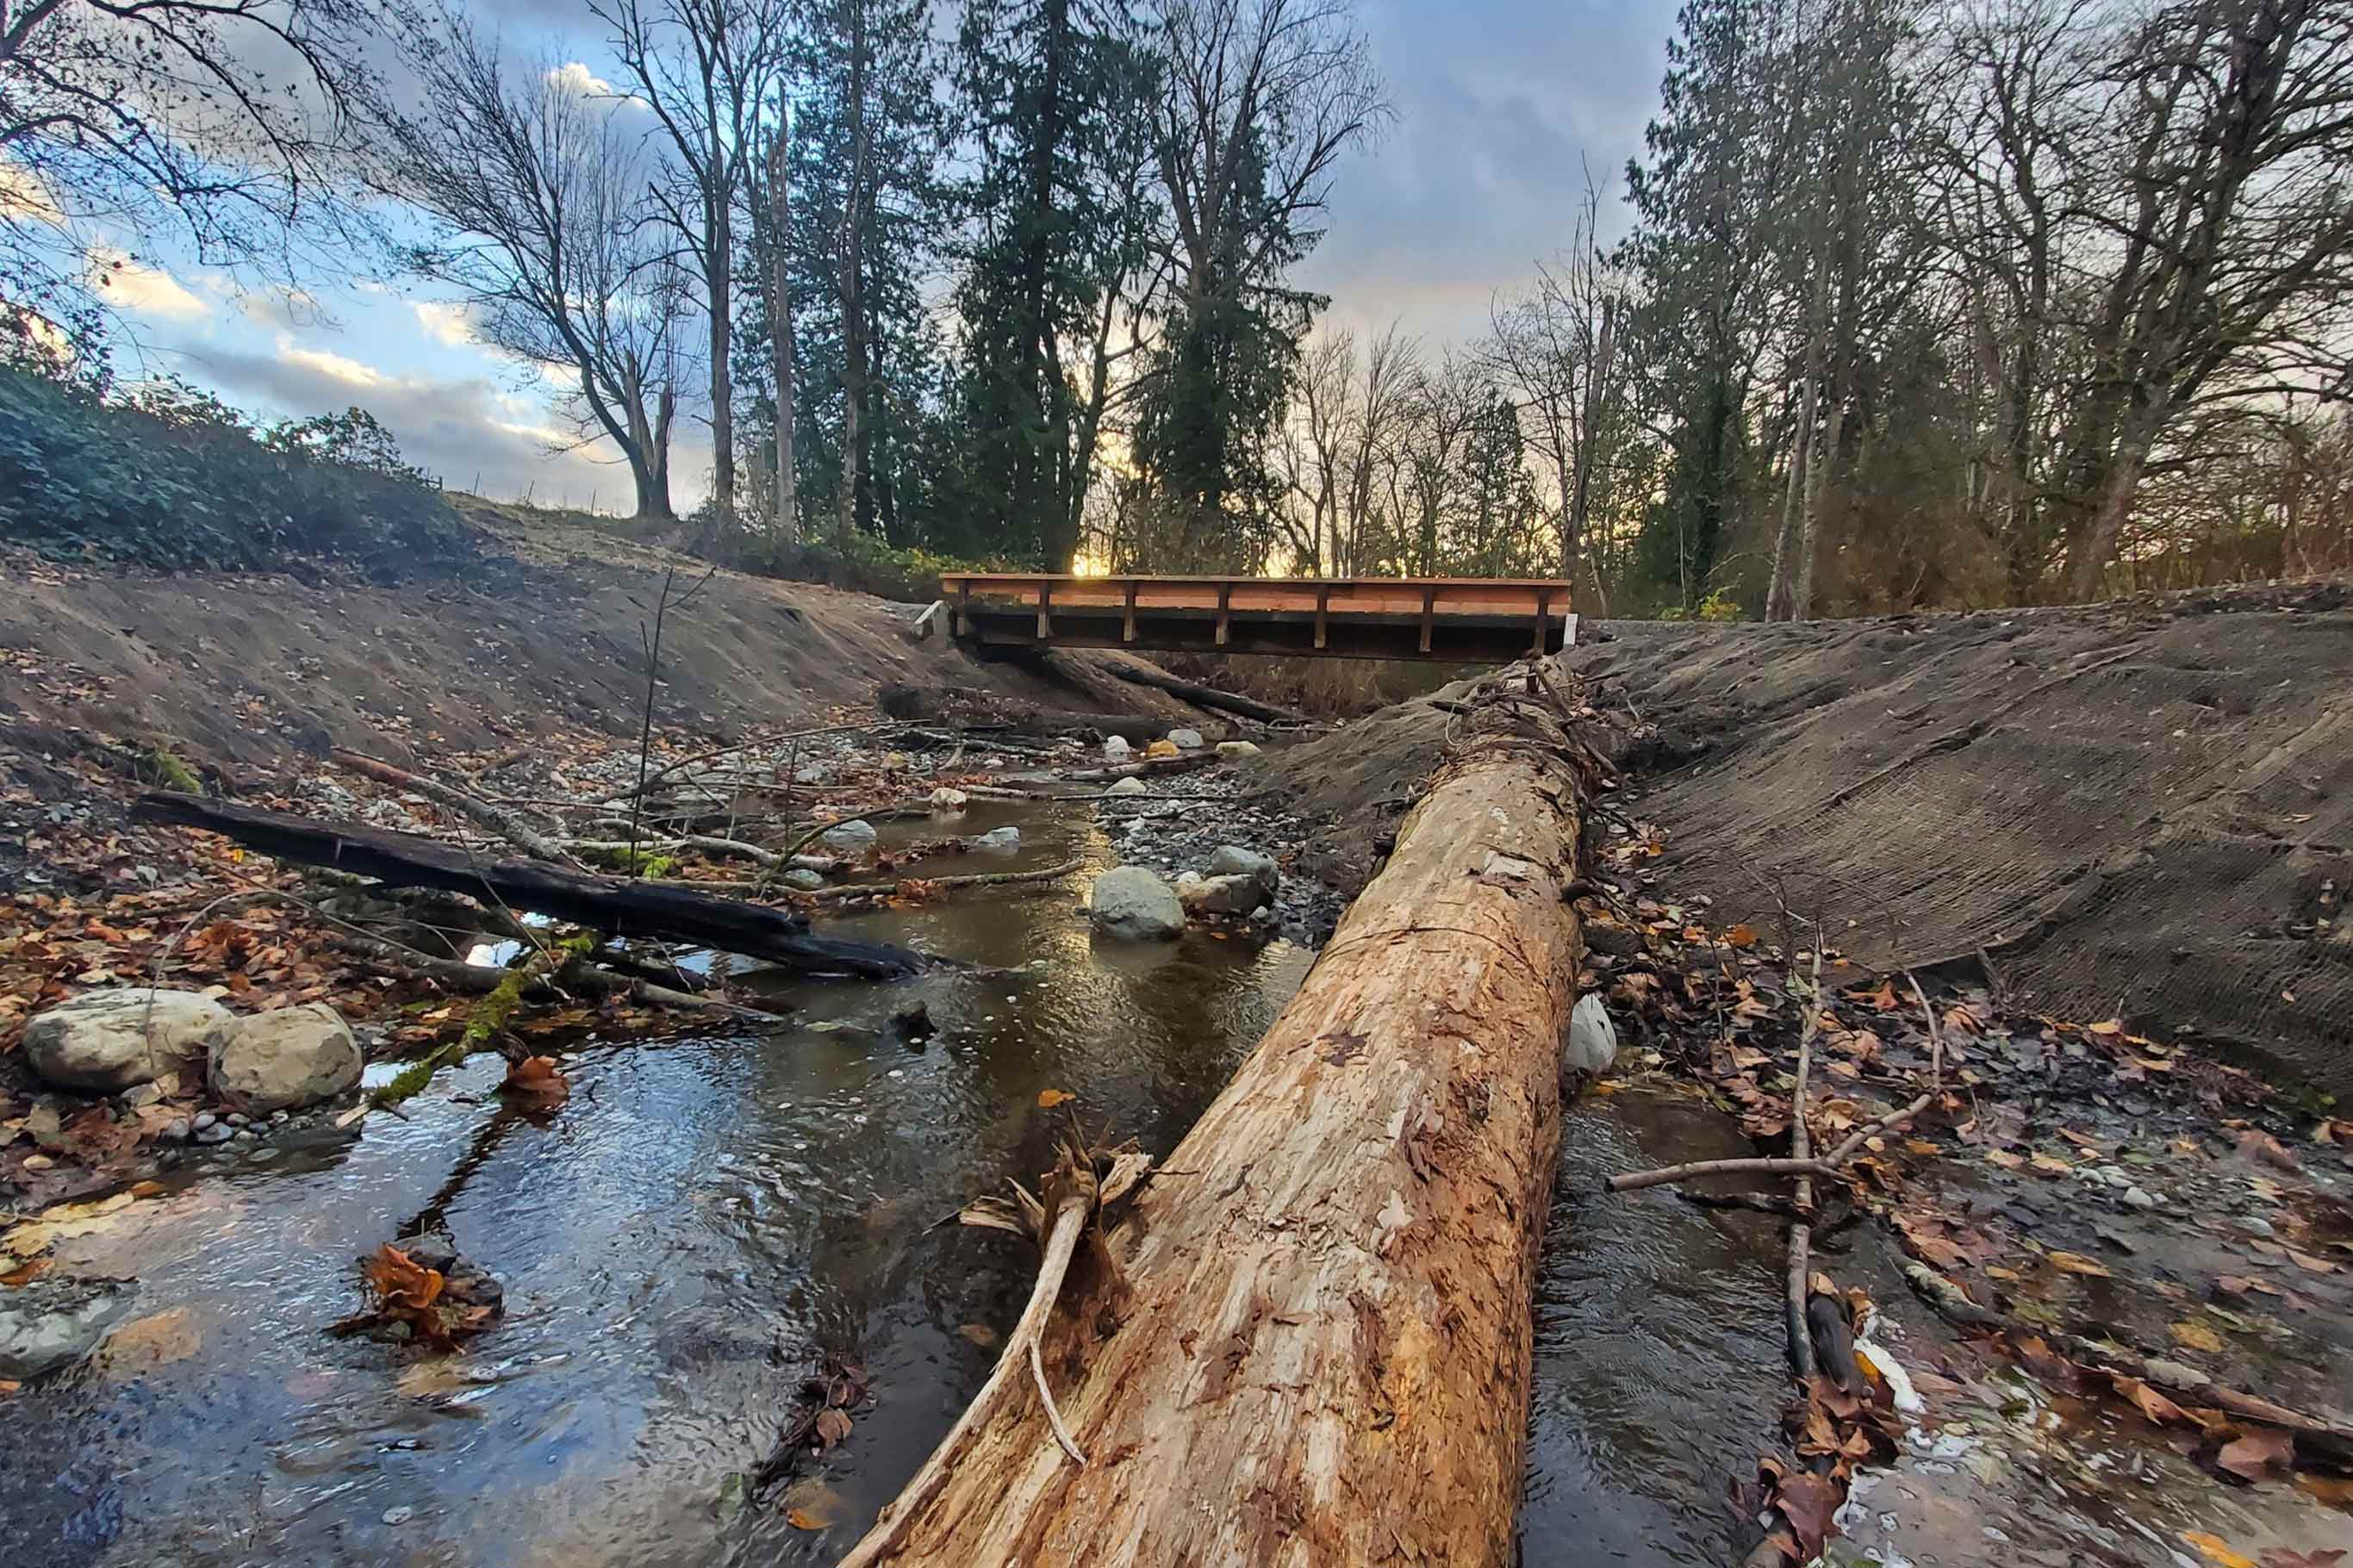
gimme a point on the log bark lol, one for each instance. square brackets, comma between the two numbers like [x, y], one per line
[622, 907]
[1315, 1344]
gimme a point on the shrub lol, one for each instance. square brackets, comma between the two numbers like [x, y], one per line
[169, 477]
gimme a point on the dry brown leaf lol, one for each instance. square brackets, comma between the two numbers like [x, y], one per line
[1741, 936]
[2309, 1264]
[2217, 1550]
[2076, 1263]
[538, 1082]
[2257, 1145]
[2147, 1400]
[2285, 1557]
[833, 1426]
[2197, 1336]
[980, 1334]
[1050, 1098]
[2005, 1159]
[2252, 1455]
[2051, 1166]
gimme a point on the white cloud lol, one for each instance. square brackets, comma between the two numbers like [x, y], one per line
[276, 306]
[468, 430]
[575, 76]
[141, 289]
[334, 367]
[445, 323]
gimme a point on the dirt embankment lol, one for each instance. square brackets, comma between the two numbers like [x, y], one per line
[2143, 808]
[241, 671]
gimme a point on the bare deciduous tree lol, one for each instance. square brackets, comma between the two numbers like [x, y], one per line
[538, 193]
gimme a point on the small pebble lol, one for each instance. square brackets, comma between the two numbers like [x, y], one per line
[38, 1161]
[176, 1130]
[400, 1515]
[205, 1120]
[237, 1119]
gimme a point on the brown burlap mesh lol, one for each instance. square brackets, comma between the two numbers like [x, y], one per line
[2144, 809]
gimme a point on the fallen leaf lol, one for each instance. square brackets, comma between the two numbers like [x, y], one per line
[2147, 1400]
[2106, 1028]
[157, 1340]
[2216, 1550]
[537, 1082]
[2051, 1166]
[2258, 1144]
[1050, 1098]
[1741, 936]
[2076, 1263]
[2005, 1159]
[2307, 1262]
[810, 1504]
[2251, 1455]
[2283, 1557]
[833, 1426]
[980, 1334]
[2196, 1337]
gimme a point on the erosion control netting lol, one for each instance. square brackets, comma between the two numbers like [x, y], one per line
[2142, 809]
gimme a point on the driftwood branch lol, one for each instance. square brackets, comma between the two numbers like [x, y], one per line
[622, 907]
[965, 880]
[505, 824]
[1775, 1165]
[1802, 1234]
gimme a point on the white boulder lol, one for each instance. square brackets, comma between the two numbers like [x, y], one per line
[1233, 860]
[1130, 785]
[853, 838]
[1230, 750]
[287, 1059]
[1115, 748]
[1592, 1038]
[1186, 739]
[1221, 895]
[105, 1041]
[998, 840]
[1131, 903]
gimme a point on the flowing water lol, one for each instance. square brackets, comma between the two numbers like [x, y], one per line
[708, 1216]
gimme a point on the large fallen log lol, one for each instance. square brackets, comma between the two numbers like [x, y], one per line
[620, 905]
[1310, 1342]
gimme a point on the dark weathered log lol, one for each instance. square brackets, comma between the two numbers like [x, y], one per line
[1201, 696]
[623, 907]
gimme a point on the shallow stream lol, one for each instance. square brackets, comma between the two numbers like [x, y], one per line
[708, 1216]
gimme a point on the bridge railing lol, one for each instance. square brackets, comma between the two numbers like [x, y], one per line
[1427, 600]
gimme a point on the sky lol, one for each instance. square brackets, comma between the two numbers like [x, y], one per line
[1503, 106]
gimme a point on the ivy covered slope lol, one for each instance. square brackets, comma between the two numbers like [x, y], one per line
[170, 478]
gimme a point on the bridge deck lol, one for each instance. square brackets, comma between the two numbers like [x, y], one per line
[1460, 618]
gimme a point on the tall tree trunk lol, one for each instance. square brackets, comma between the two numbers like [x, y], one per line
[2094, 543]
[780, 332]
[1314, 1347]
[851, 263]
[1589, 439]
[1818, 474]
[719, 282]
[1802, 445]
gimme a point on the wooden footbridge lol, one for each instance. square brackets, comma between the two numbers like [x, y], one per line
[1470, 619]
